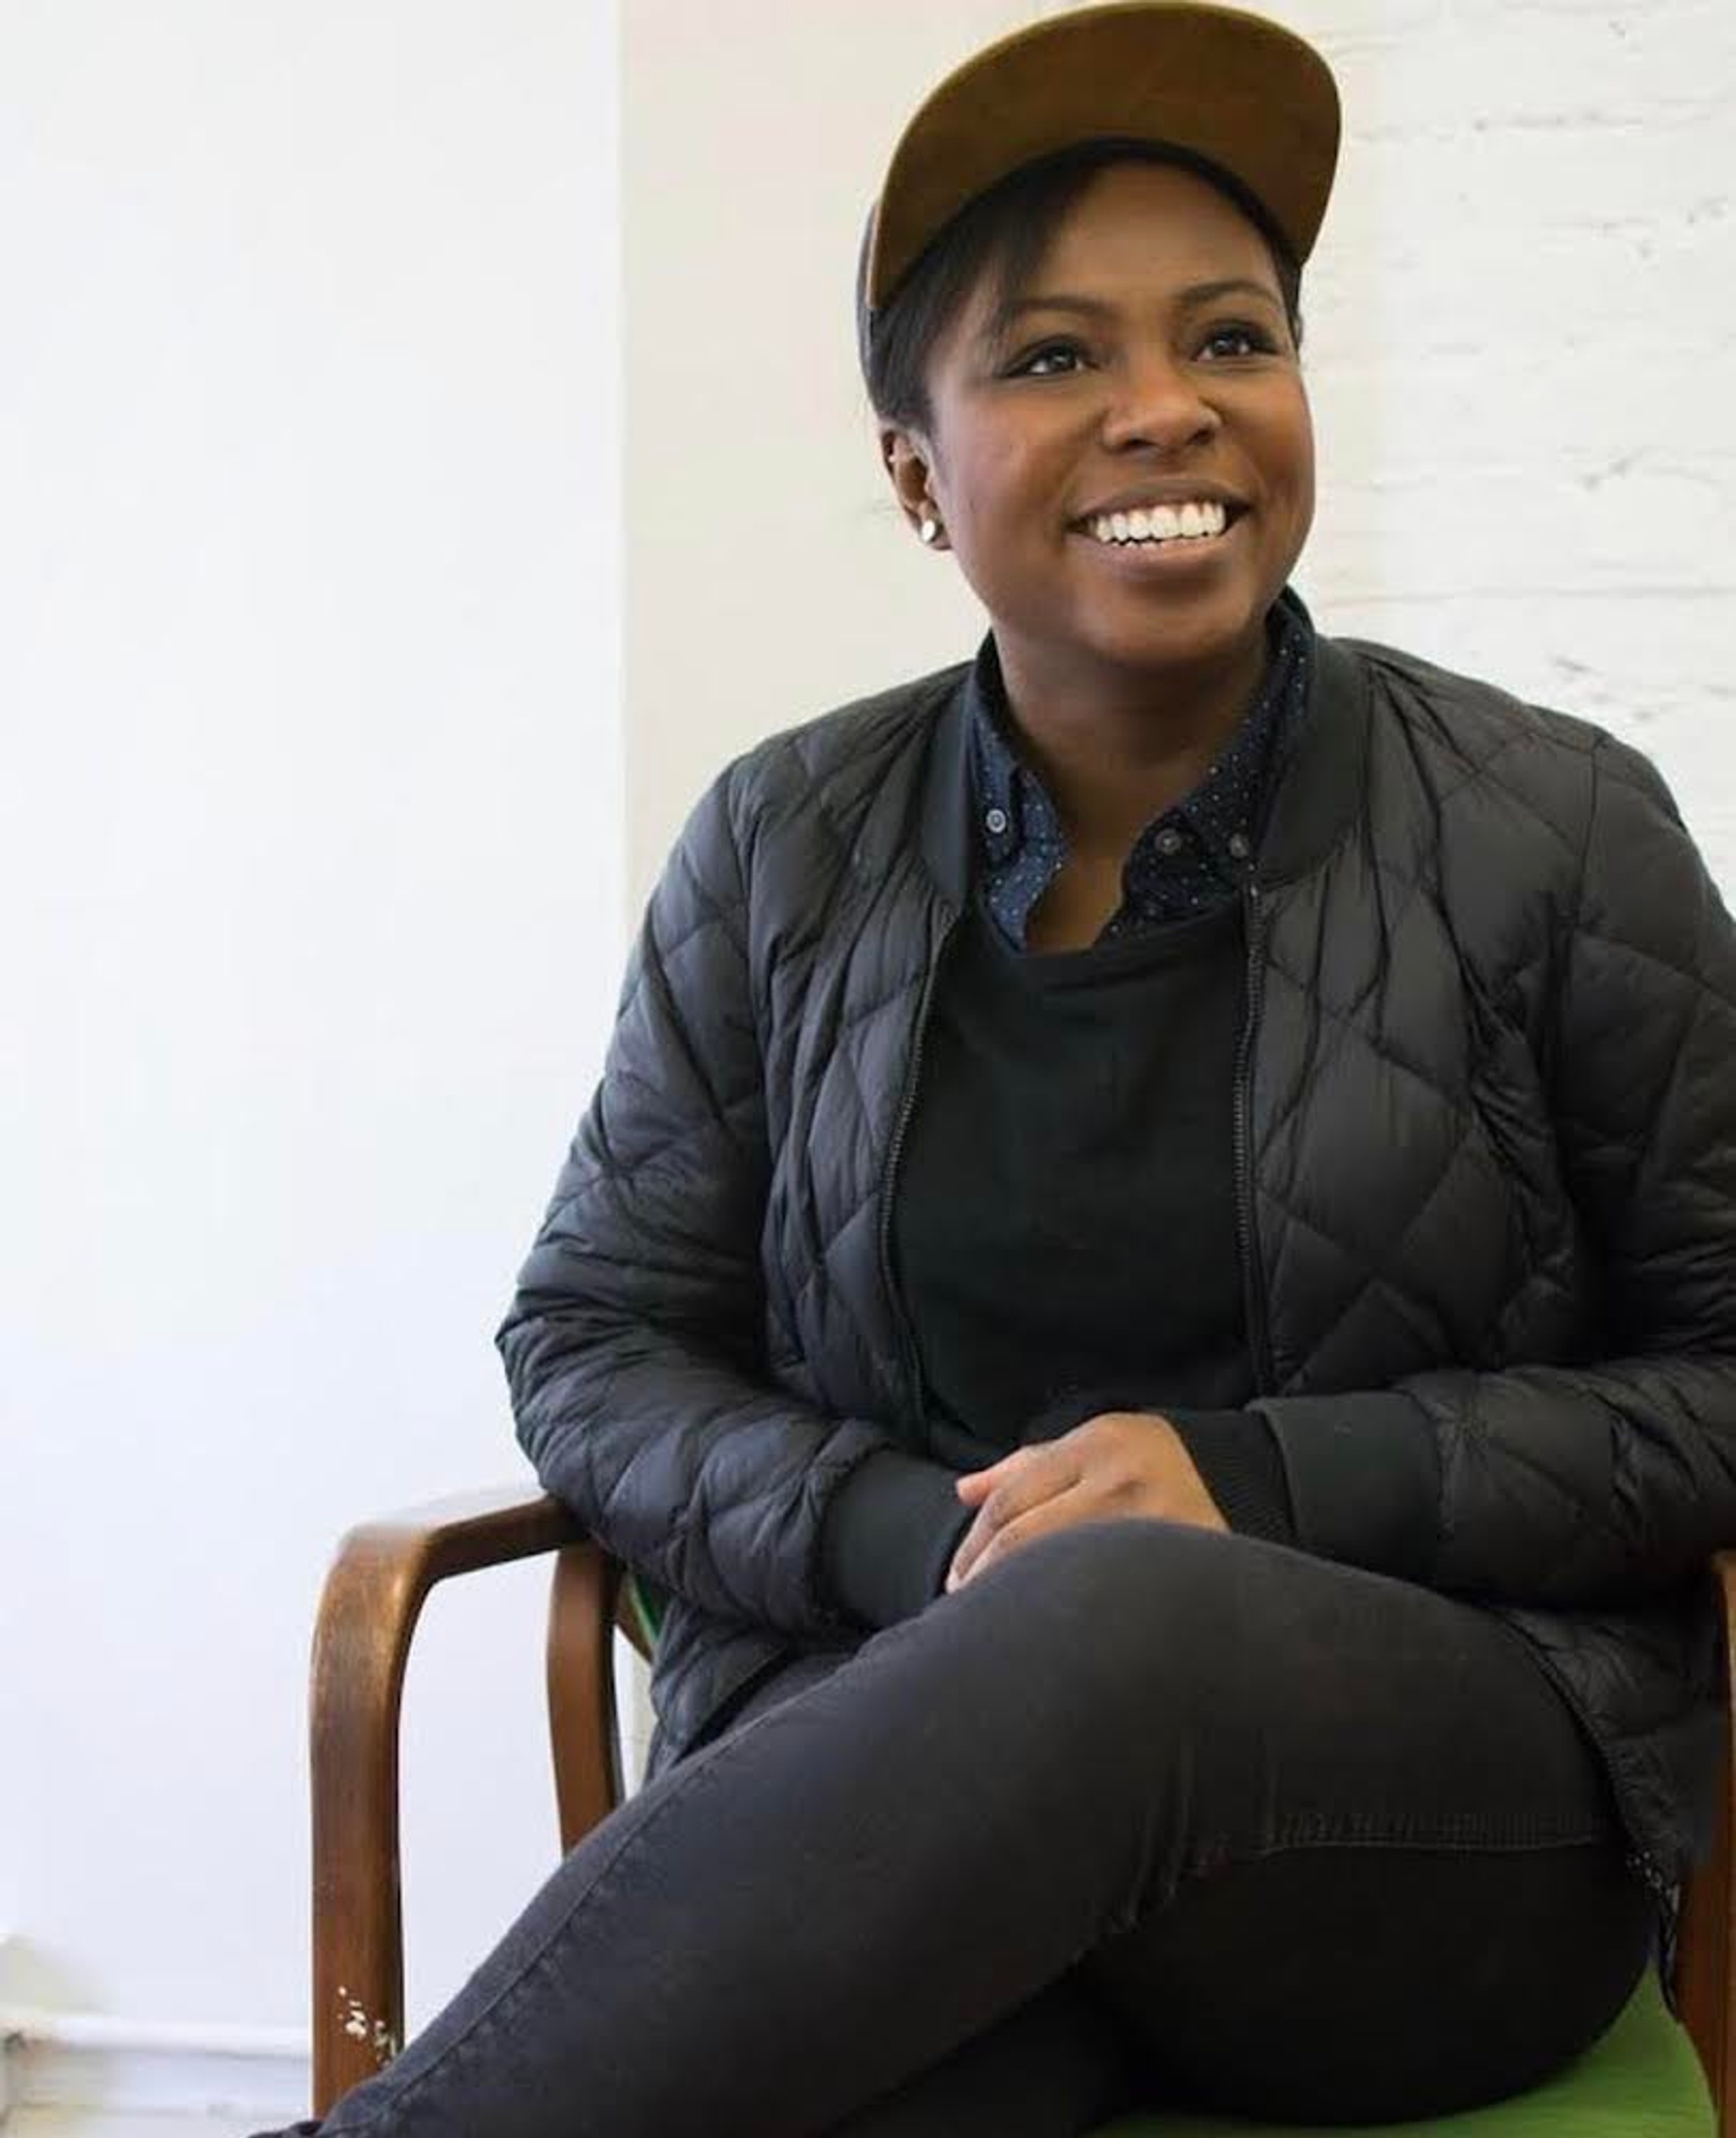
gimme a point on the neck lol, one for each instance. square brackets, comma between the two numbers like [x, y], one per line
[1115, 751]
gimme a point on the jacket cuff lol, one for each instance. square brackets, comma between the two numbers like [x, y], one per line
[1075, 1406]
[1237, 1456]
[1364, 1475]
[888, 1537]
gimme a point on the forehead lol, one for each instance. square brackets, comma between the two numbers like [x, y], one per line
[1147, 224]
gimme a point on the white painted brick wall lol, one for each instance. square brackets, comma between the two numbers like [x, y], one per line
[1522, 347]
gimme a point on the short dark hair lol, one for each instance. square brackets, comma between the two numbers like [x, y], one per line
[1005, 231]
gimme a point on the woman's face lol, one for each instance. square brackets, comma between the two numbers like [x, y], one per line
[1147, 363]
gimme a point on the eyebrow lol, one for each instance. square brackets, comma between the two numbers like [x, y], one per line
[1196, 293]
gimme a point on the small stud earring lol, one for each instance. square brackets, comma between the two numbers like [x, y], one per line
[929, 529]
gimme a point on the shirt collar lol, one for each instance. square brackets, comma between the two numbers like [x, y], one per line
[1013, 809]
[997, 775]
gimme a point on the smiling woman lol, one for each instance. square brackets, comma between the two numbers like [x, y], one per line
[1152, 1278]
[1145, 362]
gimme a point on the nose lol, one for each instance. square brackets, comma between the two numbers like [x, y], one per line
[1157, 401]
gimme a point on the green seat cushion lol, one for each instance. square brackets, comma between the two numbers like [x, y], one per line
[1642, 2080]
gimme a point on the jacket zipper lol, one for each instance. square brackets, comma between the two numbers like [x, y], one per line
[904, 1336]
[1667, 1900]
[1666, 1895]
[1253, 1276]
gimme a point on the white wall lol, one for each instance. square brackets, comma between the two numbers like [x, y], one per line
[310, 862]
[1522, 325]
[768, 576]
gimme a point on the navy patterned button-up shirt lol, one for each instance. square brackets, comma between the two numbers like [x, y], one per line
[1192, 857]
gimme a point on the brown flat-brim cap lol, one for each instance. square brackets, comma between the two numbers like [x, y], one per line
[1244, 93]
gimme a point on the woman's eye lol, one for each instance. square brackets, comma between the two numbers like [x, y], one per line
[1054, 360]
[1237, 339]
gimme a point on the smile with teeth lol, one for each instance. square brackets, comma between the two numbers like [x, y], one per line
[1201, 522]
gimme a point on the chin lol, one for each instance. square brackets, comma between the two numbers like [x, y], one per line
[1182, 635]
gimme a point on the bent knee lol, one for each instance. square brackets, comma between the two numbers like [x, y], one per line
[1105, 1569]
[1147, 1601]
[1142, 1637]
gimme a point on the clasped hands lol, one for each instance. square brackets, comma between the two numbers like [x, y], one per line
[1117, 1464]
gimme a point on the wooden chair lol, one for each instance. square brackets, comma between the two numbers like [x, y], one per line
[373, 1596]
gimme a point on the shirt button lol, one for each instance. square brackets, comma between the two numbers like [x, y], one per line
[1168, 844]
[996, 821]
[1238, 844]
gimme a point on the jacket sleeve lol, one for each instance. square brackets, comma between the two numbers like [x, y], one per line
[1597, 1482]
[634, 1345]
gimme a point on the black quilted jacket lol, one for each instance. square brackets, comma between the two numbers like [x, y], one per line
[1486, 1146]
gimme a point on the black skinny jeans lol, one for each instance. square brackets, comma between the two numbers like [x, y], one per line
[1146, 1814]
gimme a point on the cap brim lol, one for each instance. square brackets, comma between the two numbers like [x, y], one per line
[1244, 93]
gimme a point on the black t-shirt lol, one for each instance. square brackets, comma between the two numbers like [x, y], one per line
[1064, 1214]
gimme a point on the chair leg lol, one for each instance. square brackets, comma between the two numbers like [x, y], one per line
[357, 1679]
[581, 1717]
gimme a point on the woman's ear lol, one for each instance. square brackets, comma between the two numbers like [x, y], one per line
[908, 464]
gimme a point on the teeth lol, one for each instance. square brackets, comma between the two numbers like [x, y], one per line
[1191, 522]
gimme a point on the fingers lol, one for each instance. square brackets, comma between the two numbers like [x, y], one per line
[1062, 1511]
[1016, 1481]
[974, 1486]
[1004, 1492]
[975, 1541]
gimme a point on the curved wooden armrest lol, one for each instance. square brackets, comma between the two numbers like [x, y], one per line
[368, 1613]
[1704, 1983]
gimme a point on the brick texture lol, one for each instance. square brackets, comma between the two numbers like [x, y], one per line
[1521, 347]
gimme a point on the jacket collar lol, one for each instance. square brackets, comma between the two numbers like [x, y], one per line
[1318, 783]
